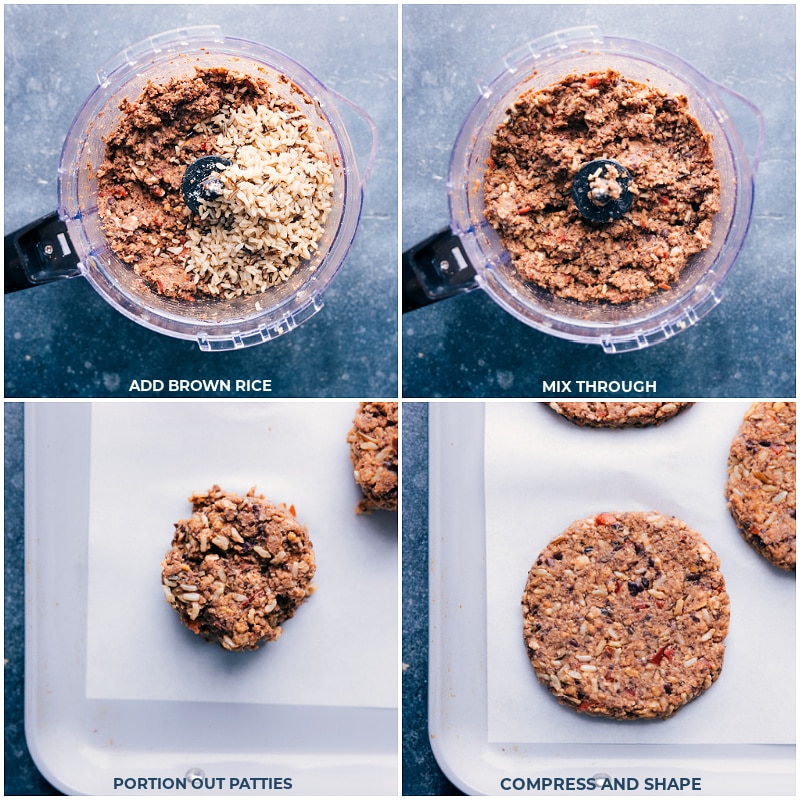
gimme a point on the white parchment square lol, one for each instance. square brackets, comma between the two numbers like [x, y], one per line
[340, 648]
[541, 474]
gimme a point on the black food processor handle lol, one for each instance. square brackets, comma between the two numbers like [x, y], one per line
[435, 269]
[39, 253]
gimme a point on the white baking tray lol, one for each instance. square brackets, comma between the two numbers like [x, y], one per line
[94, 714]
[477, 694]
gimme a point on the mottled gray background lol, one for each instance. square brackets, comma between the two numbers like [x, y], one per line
[63, 339]
[468, 346]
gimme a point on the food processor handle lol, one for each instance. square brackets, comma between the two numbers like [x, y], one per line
[39, 253]
[363, 134]
[435, 269]
[748, 124]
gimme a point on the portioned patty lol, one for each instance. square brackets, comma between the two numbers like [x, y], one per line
[761, 487]
[373, 453]
[238, 568]
[619, 414]
[625, 615]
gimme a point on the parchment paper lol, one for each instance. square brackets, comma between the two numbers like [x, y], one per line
[542, 473]
[340, 648]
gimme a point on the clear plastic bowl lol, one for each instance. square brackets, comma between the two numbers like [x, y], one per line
[644, 322]
[216, 324]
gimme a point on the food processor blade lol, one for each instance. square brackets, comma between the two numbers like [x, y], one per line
[201, 180]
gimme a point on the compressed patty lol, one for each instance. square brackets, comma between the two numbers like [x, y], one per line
[625, 615]
[618, 415]
[373, 453]
[761, 487]
[549, 134]
[238, 568]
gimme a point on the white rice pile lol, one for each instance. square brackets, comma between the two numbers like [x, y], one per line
[275, 200]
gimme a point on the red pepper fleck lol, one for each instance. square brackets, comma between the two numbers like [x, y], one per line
[523, 210]
[667, 651]
[605, 519]
[292, 511]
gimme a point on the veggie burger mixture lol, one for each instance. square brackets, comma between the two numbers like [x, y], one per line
[549, 135]
[275, 194]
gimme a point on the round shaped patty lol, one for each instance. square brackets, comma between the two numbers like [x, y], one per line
[238, 568]
[625, 615]
[761, 490]
[618, 415]
[373, 453]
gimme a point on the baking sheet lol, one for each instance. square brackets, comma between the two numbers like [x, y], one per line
[88, 745]
[340, 648]
[542, 473]
[460, 700]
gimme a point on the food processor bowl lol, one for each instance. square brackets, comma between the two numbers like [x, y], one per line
[632, 325]
[214, 323]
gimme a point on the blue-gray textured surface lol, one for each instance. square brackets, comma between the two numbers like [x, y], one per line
[468, 346]
[63, 339]
[421, 774]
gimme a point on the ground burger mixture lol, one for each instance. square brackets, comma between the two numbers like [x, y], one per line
[238, 568]
[549, 134]
[761, 486]
[276, 194]
[625, 615]
[618, 414]
[373, 454]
